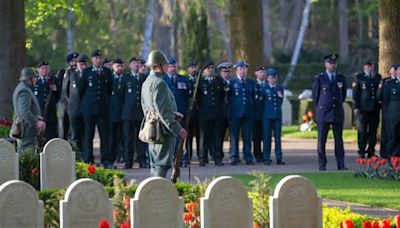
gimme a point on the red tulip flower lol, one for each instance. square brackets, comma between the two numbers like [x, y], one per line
[104, 224]
[366, 224]
[305, 117]
[310, 114]
[397, 221]
[347, 224]
[91, 169]
[384, 223]
[125, 225]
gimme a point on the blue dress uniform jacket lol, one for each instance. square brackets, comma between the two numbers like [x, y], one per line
[241, 116]
[272, 121]
[180, 88]
[328, 97]
[131, 93]
[210, 97]
[95, 90]
[365, 89]
[273, 99]
[241, 98]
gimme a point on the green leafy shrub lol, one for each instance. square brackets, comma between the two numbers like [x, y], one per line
[51, 200]
[104, 176]
[29, 169]
[332, 217]
[259, 192]
[4, 131]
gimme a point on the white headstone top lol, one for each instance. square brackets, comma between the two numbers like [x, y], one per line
[9, 162]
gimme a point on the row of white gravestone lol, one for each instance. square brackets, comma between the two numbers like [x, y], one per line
[156, 204]
[57, 164]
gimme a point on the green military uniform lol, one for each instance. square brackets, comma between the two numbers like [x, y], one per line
[158, 98]
[26, 107]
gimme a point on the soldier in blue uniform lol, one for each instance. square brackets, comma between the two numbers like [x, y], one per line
[391, 101]
[366, 108]
[193, 130]
[224, 72]
[74, 101]
[132, 114]
[329, 93]
[179, 86]
[210, 101]
[272, 117]
[95, 90]
[62, 105]
[258, 107]
[384, 138]
[116, 140]
[241, 112]
[47, 93]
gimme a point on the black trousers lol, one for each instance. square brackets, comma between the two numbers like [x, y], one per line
[63, 125]
[210, 140]
[116, 140]
[384, 138]
[132, 144]
[257, 135]
[367, 125]
[102, 123]
[51, 131]
[192, 133]
[224, 128]
[77, 130]
[323, 129]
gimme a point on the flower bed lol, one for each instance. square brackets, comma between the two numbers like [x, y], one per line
[5, 126]
[378, 168]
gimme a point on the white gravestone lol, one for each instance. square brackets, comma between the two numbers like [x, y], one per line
[286, 112]
[8, 162]
[295, 203]
[20, 206]
[348, 116]
[156, 204]
[86, 203]
[226, 204]
[57, 165]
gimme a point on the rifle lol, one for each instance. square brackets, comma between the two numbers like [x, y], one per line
[176, 172]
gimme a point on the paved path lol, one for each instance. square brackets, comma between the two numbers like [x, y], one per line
[300, 156]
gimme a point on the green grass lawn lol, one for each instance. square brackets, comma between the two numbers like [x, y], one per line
[294, 132]
[345, 187]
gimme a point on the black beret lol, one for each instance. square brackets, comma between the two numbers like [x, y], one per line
[331, 58]
[191, 65]
[136, 59]
[96, 52]
[142, 61]
[368, 62]
[71, 56]
[42, 63]
[82, 59]
[207, 64]
[260, 68]
[118, 60]
[106, 61]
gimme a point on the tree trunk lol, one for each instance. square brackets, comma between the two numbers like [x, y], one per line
[246, 28]
[389, 34]
[299, 42]
[148, 29]
[214, 12]
[174, 29]
[268, 57]
[12, 51]
[294, 27]
[343, 31]
[114, 29]
[284, 19]
[360, 23]
[162, 32]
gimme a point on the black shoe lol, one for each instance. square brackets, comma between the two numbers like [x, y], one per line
[108, 166]
[342, 168]
[144, 166]
[280, 162]
[202, 164]
[219, 163]
[259, 160]
[268, 162]
[184, 164]
[249, 163]
[234, 163]
[128, 166]
[371, 154]
[322, 169]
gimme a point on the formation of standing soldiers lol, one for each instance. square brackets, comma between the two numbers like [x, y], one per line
[103, 95]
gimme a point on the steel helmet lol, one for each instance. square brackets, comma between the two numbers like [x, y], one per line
[156, 57]
[26, 74]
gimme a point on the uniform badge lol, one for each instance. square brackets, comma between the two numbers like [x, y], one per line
[74, 85]
[181, 85]
[380, 85]
[90, 84]
[340, 84]
[112, 93]
[36, 93]
[236, 93]
[205, 92]
[129, 90]
[256, 96]
[364, 86]
[354, 85]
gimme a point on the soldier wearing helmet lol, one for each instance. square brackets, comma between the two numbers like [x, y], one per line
[26, 107]
[156, 97]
